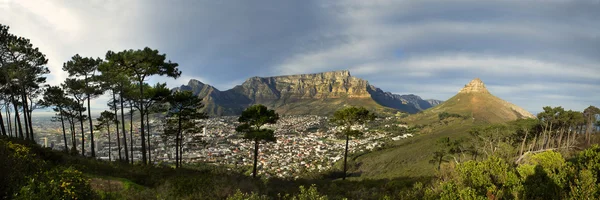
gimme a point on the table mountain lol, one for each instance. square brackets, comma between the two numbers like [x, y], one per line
[318, 94]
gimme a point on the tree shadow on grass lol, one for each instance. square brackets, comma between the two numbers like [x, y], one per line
[540, 186]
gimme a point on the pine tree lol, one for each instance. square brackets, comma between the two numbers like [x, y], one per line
[141, 64]
[80, 67]
[252, 119]
[184, 110]
[348, 117]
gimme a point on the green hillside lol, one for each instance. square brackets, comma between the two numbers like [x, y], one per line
[473, 105]
[409, 157]
[32, 172]
[476, 102]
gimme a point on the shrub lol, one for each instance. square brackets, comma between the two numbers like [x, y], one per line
[57, 184]
[305, 194]
[589, 159]
[584, 186]
[17, 163]
[445, 115]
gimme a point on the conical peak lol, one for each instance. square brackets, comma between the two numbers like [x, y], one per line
[475, 86]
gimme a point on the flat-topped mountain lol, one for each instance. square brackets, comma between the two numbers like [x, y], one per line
[475, 101]
[317, 94]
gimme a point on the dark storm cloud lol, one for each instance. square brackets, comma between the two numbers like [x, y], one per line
[531, 53]
[223, 41]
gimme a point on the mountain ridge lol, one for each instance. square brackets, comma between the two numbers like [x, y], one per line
[303, 94]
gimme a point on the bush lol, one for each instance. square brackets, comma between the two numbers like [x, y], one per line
[17, 163]
[589, 159]
[584, 186]
[57, 184]
[305, 194]
[445, 115]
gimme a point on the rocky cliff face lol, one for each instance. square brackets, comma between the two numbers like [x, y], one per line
[434, 102]
[319, 93]
[475, 86]
[336, 84]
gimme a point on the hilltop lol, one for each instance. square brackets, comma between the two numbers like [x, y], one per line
[472, 105]
[474, 101]
[301, 94]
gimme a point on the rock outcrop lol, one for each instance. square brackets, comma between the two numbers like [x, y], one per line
[319, 93]
[434, 102]
[475, 86]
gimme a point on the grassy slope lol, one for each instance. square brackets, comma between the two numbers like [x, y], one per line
[410, 157]
[113, 180]
[483, 107]
[326, 106]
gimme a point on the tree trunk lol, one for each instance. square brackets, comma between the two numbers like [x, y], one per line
[2, 128]
[27, 110]
[9, 122]
[523, 143]
[17, 118]
[117, 124]
[92, 146]
[574, 140]
[148, 135]
[109, 146]
[30, 112]
[441, 158]
[73, 139]
[141, 103]
[549, 139]
[254, 173]
[568, 138]
[588, 130]
[62, 122]
[131, 131]
[26, 123]
[177, 140]
[123, 126]
[82, 133]
[560, 137]
[346, 157]
[181, 150]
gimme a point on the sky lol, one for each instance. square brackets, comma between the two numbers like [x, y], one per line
[532, 53]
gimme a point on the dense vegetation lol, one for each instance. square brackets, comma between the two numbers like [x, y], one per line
[34, 172]
[551, 157]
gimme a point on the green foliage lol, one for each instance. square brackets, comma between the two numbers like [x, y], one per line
[309, 194]
[17, 162]
[589, 159]
[106, 118]
[253, 118]
[494, 140]
[584, 186]
[244, 196]
[451, 191]
[551, 162]
[57, 184]
[545, 175]
[305, 194]
[352, 116]
[492, 176]
[446, 115]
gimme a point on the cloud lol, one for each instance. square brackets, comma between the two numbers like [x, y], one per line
[531, 53]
